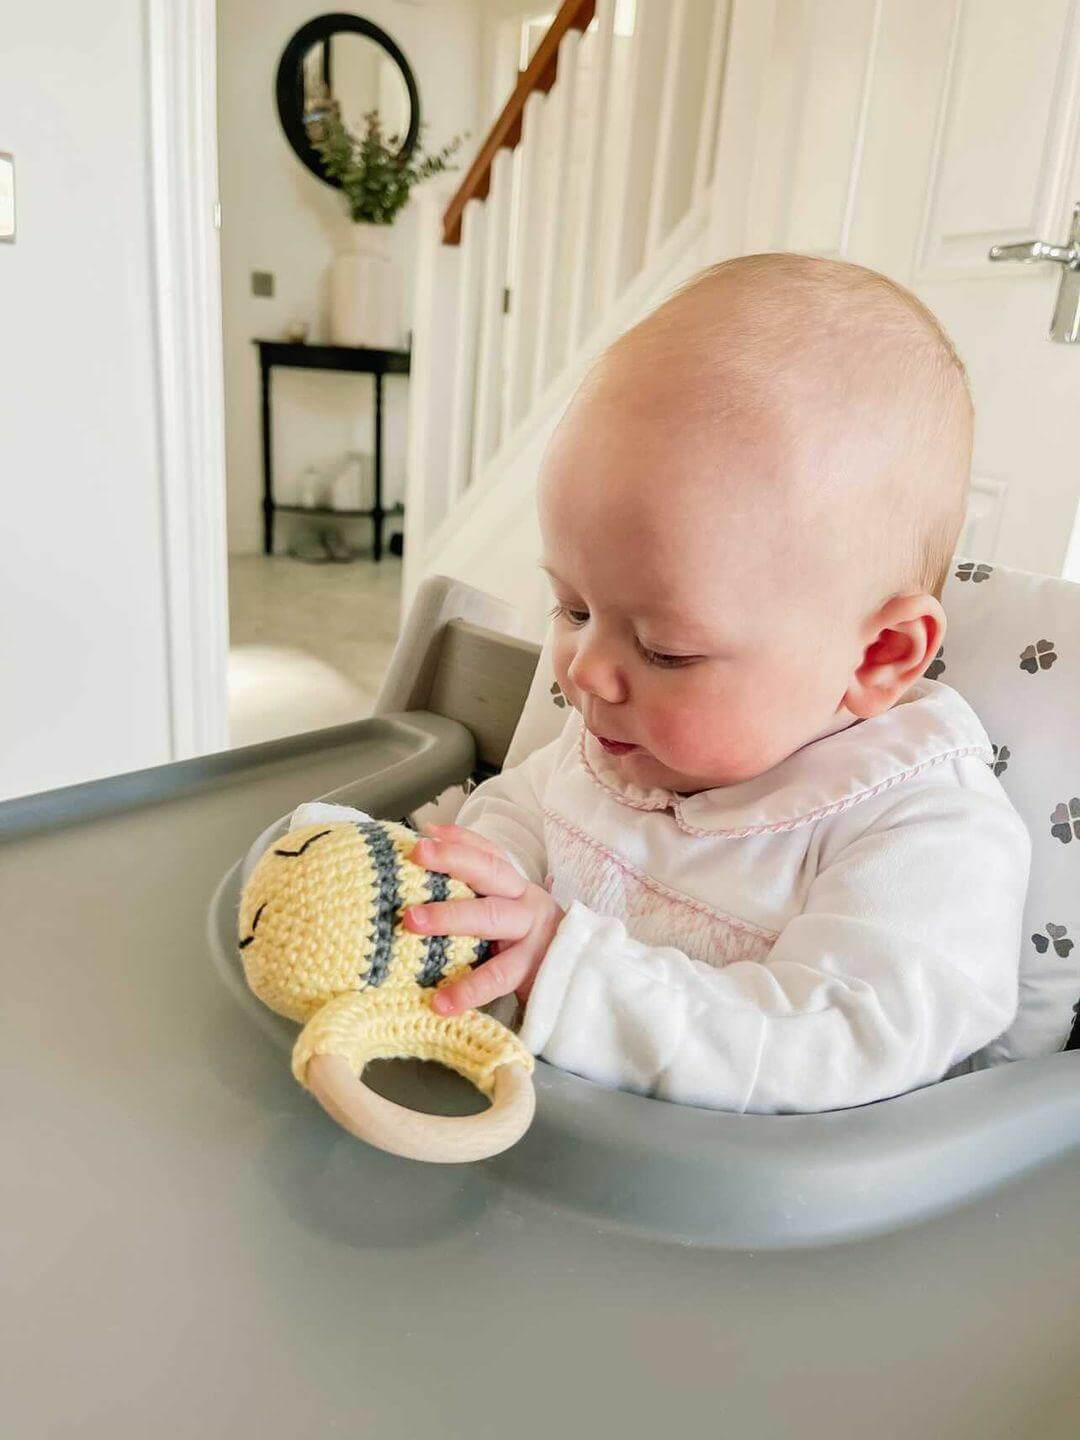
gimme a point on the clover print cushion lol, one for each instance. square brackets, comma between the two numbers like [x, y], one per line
[1012, 649]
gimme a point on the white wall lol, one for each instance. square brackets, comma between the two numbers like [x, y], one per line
[277, 216]
[82, 633]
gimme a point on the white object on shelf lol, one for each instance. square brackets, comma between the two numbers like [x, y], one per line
[313, 488]
[364, 291]
[351, 487]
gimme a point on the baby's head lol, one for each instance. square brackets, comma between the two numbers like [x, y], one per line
[748, 512]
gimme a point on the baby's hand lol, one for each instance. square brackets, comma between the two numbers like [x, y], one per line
[520, 917]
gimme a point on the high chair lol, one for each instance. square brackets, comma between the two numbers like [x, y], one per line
[194, 1247]
[1013, 650]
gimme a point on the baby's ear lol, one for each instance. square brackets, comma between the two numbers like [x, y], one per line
[904, 636]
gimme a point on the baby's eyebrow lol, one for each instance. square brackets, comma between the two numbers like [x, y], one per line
[662, 615]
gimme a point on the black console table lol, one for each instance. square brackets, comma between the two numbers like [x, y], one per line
[326, 357]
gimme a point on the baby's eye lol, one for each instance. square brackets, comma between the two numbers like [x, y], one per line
[665, 662]
[654, 657]
[560, 609]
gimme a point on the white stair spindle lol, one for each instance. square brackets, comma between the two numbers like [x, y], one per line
[559, 139]
[667, 136]
[634, 164]
[493, 320]
[584, 250]
[710, 107]
[526, 250]
[618, 185]
[753, 32]
[435, 308]
[461, 425]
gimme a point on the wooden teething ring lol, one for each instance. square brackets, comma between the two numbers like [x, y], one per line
[444, 1139]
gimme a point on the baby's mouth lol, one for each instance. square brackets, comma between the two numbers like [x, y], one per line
[615, 747]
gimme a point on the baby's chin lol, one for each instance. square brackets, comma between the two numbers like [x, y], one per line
[643, 767]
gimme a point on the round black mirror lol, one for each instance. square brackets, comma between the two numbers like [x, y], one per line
[345, 66]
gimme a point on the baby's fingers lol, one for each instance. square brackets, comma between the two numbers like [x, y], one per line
[463, 835]
[488, 872]
[490, 917]
[501, 975]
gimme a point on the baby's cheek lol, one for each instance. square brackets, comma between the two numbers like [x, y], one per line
[691, 741]
[675, 733]
[720, 741]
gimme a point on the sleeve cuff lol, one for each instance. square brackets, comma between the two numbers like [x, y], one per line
[553, 978]
[517, 864]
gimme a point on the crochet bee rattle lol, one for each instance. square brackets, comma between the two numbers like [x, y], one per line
[322, 942]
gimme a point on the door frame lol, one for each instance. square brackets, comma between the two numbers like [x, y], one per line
[184, 221]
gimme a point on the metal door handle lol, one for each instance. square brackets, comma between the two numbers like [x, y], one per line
[1038, 250]
[1065, 326]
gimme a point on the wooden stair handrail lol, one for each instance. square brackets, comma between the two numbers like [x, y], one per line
[540, 75]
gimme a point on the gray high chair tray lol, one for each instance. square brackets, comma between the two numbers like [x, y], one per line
[194, 1248]
[752, 1181]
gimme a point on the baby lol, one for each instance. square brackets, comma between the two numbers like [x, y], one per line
[765, 866]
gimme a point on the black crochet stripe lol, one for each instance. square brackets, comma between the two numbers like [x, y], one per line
[387, 898]
[435, 950]
[435, 961]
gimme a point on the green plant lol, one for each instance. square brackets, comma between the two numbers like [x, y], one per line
[375, 180]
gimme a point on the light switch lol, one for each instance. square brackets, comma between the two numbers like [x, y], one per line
[262, 283]
[7, 197]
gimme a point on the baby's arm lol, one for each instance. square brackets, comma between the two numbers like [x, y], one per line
[903, 961]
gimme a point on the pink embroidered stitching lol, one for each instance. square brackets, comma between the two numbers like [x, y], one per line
[795, 821]
[720, 916]
[838, 805]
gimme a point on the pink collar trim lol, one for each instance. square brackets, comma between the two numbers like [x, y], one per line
[930, 725]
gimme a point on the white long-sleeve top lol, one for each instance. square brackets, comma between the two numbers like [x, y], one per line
[841, 928]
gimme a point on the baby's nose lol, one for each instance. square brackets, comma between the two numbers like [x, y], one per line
[596, 674]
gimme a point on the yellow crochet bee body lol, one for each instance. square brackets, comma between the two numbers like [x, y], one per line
[322, 942]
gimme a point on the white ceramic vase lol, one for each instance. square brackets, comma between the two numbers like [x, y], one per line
[364, 290]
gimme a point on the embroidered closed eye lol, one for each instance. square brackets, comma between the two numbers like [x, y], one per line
[293, 854]
[254, 926]
[653, 657]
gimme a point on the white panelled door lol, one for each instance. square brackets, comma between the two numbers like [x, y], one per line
[911, 136]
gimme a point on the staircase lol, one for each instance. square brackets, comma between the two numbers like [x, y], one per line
[594, 196]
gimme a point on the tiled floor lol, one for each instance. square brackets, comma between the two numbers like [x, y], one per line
[308, 644]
